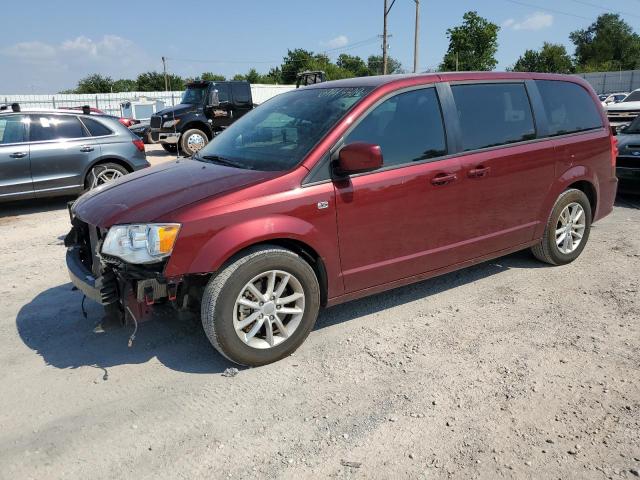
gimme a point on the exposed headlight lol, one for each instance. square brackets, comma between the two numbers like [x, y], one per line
[170, 123]
[147, 243]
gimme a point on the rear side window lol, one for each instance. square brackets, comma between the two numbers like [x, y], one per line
[96, 129]
[493, 114]
[408, 127]
[240, 93]
[568, 106]
[54, 128]
[12, 129]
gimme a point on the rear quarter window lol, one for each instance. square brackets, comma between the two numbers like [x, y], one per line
[96, 129]
[493, 114]
[568, 106]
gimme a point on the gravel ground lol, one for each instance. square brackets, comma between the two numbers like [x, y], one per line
[507, 369]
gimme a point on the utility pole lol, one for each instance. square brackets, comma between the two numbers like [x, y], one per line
[415, 38]
[384, 36]
[164, 68]
[384, 40]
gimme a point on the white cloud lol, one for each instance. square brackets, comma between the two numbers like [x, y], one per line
[56, 66]
[337, 42]
[534, 21]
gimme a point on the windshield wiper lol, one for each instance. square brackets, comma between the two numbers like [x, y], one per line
[221, 161]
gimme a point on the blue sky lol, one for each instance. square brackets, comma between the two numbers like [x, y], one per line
[46, 46]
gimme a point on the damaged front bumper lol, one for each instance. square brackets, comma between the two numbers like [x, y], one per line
[127, 290]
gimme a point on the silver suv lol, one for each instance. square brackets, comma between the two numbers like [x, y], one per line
[44, 153]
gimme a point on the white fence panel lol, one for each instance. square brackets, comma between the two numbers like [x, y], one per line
[110, 102]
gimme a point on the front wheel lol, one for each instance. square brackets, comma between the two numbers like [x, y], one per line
[192, 141]
[261, 307]
[567, 229]
[103, 173]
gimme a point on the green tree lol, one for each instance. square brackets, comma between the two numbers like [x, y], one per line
[94, 83]
[212, 77]
[296, 61]
[125, 85]
[551, 58]
[374, 65]
[238, 76]
[609, 43]
[472, 45]
[154, 82]
[353, 64]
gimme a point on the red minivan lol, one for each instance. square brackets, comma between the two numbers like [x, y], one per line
[343, 189]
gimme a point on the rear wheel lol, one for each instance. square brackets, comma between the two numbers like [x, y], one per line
[192, 141]
[170, 147]
[103, 173]
[567, 229]
[261, 307]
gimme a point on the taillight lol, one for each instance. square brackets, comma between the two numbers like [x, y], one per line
[127, 122]
[614, 151]
[139, 145]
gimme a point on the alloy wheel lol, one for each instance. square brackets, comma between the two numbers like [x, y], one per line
[269, 309]
[570, 228]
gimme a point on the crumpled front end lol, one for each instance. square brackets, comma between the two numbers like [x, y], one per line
[125, 290]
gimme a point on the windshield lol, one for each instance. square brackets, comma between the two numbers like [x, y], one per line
[279, 134]
[634, 127]
[633, 97]
[194, 95]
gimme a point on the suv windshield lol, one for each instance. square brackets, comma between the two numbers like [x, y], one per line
[194, 95]
[280, 133]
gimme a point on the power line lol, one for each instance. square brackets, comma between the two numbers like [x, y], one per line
[600, 7]
[559, 12]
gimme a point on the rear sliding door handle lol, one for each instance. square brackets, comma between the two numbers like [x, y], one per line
[478, 172]
[18, 155]
[444, 179]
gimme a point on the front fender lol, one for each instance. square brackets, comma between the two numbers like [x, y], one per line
[234, 238]
[572, 175]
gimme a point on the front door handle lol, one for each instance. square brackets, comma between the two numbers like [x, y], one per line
[478, 172]
[18, 155]
[444, 179]
[86, 148]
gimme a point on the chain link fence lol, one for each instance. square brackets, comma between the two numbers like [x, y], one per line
[612, 82]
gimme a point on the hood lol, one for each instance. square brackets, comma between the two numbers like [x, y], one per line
[148, 194]
[623, 106]
[627, 139]
[178, 109]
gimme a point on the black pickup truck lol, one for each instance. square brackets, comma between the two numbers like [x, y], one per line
[206, 108]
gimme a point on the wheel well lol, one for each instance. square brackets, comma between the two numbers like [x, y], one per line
[589, 190]
[200, 126]
[308, 254]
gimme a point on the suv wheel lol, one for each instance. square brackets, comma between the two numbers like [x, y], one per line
[103, 173]
[261, 307]
[192, 141]
[567, 230]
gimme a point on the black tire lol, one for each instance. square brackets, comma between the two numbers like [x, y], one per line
[220, 294]
[547, 250]
[170, 147]
[184, 141]
[96, 170]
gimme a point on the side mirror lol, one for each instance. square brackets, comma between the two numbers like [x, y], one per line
[359, 157]
[214, 100]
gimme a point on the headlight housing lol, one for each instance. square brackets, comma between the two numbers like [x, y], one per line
[141, 243]
[170, 123]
